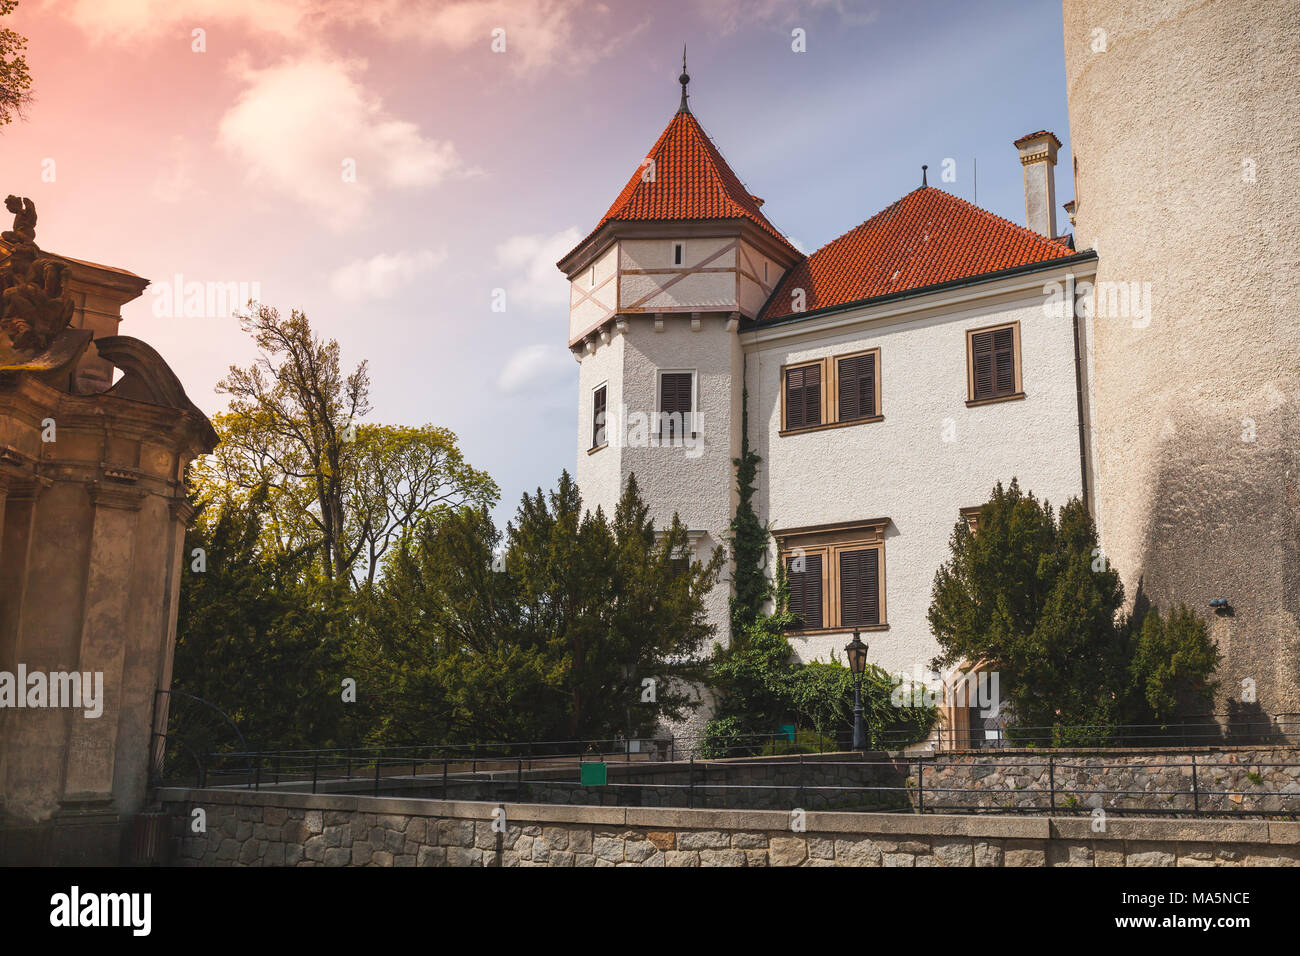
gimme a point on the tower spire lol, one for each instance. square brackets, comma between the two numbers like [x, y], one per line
[684, 79]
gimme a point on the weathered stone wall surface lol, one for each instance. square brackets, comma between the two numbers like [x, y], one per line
[1225, 781]
[250, 828]
[1183, 155]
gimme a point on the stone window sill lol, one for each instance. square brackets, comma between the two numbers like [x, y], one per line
[973, 403]
[829, 425]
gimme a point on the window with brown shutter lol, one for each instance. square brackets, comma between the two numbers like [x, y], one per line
[856, 376]
[598, 417]
[860, 588]
[675, 400]
[804, 576]
[994, 363]
[831, 392]
[841, 581]
[803, 396]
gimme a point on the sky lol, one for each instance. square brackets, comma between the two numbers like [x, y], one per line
[380, 166]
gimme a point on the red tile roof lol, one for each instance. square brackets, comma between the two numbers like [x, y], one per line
[1042, 132]
[926, 238]
[690, 180]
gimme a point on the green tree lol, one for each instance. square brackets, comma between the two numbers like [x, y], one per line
[761, 685]
[15, 78]
[566, 613]
[749, 539]
[260, 636]
[347, 488]
[1173, 657]
[1034, 598]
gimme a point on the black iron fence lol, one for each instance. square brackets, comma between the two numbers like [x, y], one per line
[1211, 730]
[664, 772]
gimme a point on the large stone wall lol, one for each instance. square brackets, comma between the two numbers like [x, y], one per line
[1182, 126]
[250, 828]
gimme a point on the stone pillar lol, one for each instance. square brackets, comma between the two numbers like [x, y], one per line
[93, 516]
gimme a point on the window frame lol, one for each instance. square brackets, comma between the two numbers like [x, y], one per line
[876, 414]
[830, 392]
[840, 551]
[597, 446]
[822, 406]
[659, 402]
[831, 541]
[679, 253]
[824, 555]
[1018, 390]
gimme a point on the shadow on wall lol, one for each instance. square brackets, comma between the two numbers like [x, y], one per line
[1224, 528]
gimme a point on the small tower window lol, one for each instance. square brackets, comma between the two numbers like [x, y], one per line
[679, 253]
[764, 270]
[591, 278]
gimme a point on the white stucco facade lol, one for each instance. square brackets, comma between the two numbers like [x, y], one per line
[658, 295]
[930, 455]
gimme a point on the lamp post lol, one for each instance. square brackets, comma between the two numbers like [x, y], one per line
[857, 652]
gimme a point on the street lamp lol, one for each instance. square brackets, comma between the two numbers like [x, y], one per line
[857, 652]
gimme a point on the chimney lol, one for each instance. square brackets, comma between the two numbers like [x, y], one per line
[1038, 157]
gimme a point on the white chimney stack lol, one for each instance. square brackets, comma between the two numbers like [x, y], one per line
[1038, 157]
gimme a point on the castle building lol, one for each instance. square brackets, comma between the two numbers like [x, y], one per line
[894, 375]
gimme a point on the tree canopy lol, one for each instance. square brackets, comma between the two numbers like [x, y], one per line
[344, 488]
[15, 78]
[1033, 597]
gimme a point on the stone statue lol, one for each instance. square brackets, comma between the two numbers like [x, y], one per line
[35, 302]
[24, 211]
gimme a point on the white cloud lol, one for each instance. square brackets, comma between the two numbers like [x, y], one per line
[730, 15]
[296, 124]
[530, 261]
[535, 367]
[381, 275]
[538, 33]
[131, 20]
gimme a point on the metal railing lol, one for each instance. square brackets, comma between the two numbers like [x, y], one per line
[651, 772]
[1223, 730]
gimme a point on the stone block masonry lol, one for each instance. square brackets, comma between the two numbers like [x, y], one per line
[259, 828]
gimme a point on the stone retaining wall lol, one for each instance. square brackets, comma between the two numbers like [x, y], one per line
[1220, 781]
[252, 828]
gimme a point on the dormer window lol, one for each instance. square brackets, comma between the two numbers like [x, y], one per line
[679, 253]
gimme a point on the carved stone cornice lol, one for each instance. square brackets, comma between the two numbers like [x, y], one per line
[181, 510]
[104, 495]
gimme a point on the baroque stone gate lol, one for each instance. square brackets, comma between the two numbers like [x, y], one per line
[92, 527]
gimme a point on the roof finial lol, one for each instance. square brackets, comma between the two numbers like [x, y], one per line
[683, 80]
[924, 167]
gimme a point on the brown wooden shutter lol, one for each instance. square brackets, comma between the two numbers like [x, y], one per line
[860, 588]
[857, 387]
[803, 396]
[993, 355]
[675, 404]
[981, 350]
[806, 590]
[598, 418]
[1004, 362]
